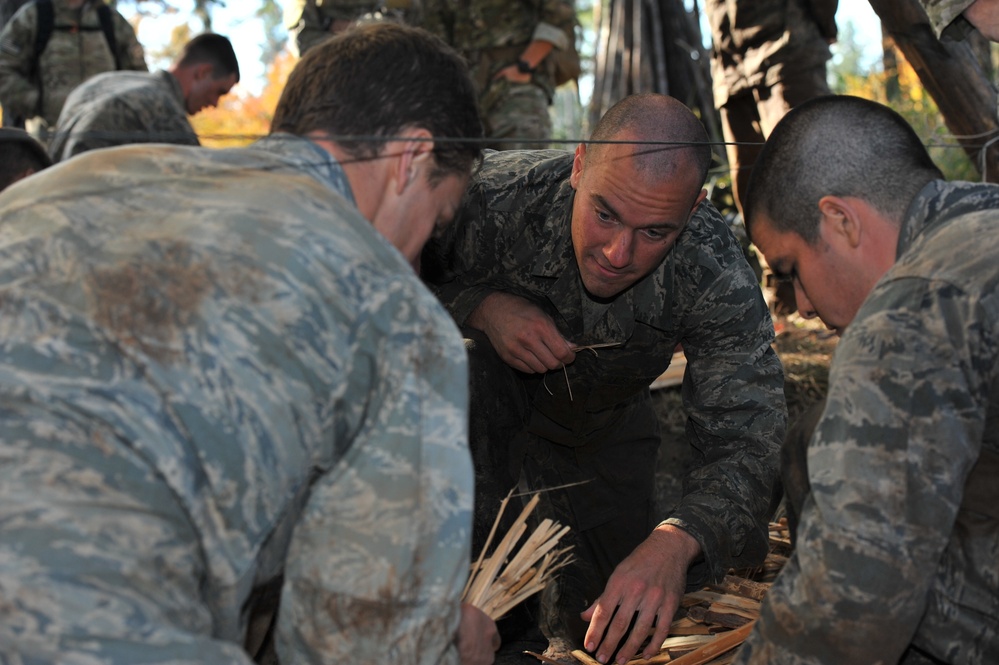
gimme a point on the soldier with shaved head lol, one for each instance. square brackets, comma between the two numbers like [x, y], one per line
[575, 276]
[897, 555]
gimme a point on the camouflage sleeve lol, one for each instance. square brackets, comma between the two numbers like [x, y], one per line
[380, 555]
[130, 53]
[18, 95]
[733, 391]
[887, 466]
[557, 18]
[946, 17]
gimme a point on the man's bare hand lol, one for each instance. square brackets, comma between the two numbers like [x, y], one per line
[523, 335]
[649, 583]
[478, 638]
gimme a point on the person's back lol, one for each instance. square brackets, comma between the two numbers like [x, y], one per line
[222, 379]
[117, 108]
[76, 49]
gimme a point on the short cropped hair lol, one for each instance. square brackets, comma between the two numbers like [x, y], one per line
[839, 146]
[20, 154]
[212, 49]
[673, 134]
[371, 82]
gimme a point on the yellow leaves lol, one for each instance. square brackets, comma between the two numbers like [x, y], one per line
[242, 118]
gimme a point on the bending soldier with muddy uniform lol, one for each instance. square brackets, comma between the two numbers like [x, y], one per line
[222, 383]
[574, 277]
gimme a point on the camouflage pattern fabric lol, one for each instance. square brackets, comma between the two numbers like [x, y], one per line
[214, 374]
[757, 43]
[117, 108]
[898, 544]
[946, 17]
[491, 35]
[512, 234]
[69, 59]
[310, 23]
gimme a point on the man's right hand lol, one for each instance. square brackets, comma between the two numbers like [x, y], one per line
[523, 335]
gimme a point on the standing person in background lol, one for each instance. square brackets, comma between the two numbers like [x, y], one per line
[116, 108]
[311, 21]
[223, 382]
[507, 46]
[7, 10]
[51, 46]
[767, 57]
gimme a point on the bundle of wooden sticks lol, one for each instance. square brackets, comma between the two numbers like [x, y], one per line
[516, 570]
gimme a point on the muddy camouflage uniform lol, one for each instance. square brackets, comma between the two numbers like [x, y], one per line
[69, 59]
[512, 234]
[117, 108]
[946, 17]
[898, 545]
[491, 35]
[221, 378]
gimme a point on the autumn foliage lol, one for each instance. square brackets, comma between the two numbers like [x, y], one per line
[241, 118]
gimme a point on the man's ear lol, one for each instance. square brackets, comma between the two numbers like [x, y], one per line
[577, 165]
[413, 152]
[841, 219]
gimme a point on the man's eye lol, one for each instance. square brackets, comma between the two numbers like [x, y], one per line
[603, 216]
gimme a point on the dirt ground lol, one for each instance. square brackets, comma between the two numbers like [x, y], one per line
[804, 347]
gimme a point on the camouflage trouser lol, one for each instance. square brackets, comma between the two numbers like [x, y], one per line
[517, 115]
[511, 447]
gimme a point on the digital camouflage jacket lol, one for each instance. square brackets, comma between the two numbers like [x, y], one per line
[512, 234]
[898, 543]
[117, 108]
[217, 378]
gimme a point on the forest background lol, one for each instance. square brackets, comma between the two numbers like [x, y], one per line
[865, 64]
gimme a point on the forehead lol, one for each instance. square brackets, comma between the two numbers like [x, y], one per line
[776, 246]
[613, 176]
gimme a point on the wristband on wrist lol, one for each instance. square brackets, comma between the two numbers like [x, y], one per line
[523, 67]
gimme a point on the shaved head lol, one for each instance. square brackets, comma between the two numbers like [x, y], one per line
[668, 136]
[836, 146]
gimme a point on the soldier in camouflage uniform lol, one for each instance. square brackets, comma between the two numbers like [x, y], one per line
[220, 376]
[953, 19]
[312, 21]
[897, 558]
[77, 50]
[116, 108]
[507, 45]
[554, 252]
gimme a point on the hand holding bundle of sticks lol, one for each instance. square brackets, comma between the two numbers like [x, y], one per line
[506, 578]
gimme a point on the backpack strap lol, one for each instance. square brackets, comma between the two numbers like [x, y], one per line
[107, 25]
[46, 24]
[43, 28]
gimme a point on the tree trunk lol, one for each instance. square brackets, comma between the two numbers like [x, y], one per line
[950, 72]
[650, 46]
